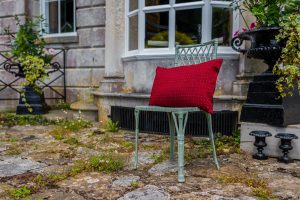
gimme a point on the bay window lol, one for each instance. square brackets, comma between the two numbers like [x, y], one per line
[59, 16]
[159, 25]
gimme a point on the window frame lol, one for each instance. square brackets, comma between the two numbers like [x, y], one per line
[172, 7]
[59, 34]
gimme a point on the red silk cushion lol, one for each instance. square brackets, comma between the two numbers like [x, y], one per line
[186, 86]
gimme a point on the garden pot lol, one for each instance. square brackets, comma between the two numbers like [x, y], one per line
[36, 101]
[263, 104]
[263, 45]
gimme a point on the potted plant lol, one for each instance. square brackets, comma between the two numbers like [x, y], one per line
[275, 39]
[269, 14]
[29, 55]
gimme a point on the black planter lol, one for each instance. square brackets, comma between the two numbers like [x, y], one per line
[260, 143]
[35, 100]
[263, 104]
[286, 146]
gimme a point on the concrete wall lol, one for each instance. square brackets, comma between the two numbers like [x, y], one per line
[85, 53]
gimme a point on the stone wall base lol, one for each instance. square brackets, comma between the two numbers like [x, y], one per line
[272, 148]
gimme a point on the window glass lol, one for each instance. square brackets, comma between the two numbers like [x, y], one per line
[67, 16]
[156, 2]
[157, 35]
[133, 5]
[222, 25]
[186, 1]
[51, 9]
[133, 33]
[188, 26]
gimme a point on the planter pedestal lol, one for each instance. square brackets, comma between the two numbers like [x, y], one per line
[264, 106]
[36, 102]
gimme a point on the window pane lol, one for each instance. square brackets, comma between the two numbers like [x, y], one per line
[186, 1]
[51, 15]
[133, 5]
[156, 2]
[222, 25]
[133, 32]
[188, 26]
[67, 16]
[157, 30]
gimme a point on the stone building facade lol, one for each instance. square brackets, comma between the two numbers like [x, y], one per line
[99, 68]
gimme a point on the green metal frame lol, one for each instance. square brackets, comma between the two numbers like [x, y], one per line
[177, 117]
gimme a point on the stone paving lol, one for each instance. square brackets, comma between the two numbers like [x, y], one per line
[29, 151]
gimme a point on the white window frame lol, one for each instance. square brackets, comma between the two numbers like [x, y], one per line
[172, 7]
[45, 14]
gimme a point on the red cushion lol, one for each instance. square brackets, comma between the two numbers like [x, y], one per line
[186, 86]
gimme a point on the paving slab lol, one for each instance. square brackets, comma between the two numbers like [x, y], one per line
[14, 166]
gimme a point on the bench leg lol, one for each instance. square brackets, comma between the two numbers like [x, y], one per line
[180, 120]
[211, 138]
[172, 136]
[136, 113]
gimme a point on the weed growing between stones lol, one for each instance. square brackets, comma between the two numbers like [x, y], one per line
[134, 184]
[111, 126]
[19, 193]
[73, 124]
[13, 150]
[72, 141]
[107, 163]
[259, 187]
[10, 119]
[224, 145]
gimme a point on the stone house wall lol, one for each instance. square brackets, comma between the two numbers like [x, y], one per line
[85, 53]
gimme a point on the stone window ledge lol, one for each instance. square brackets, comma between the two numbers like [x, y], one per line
[61, 38]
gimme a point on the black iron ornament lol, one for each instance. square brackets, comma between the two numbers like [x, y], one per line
[286, 146]
[260, 143]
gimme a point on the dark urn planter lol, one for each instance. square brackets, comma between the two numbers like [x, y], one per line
[263, 104]
[260, 143]
[286, 146]
[34, 99]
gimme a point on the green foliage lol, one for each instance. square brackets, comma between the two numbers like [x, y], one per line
[28, 40]
[158, 158]
[10, 119]
[288, 66]
[107, 163]
[22, 192]
[61, 105]
[224, 144]
[111, 126]
[28, 49]
[268, 12]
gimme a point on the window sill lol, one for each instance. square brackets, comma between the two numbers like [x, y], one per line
[223, 52]
[61, 38]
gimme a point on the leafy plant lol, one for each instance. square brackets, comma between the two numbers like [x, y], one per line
[28, 49]
[22, 192]
[267, 12]
[288, 66]
[111, 126]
